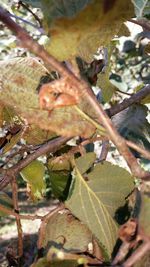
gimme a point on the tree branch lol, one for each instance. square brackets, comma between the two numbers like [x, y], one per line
[144, 24]
[136, 98]
[138, 254]
[144, 152]
[25, 21]
[25, 6]
[21, 216]
[81, 87]
[50, 146]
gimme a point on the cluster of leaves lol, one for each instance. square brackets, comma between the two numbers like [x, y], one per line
[85, 231]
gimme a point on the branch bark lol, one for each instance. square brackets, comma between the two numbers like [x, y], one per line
[144, 152]
[21, 216]
[136, 98]
[138, 254]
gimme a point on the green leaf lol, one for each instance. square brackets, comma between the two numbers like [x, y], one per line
[5, 201]
[98, 199]
[112, 184]
[60, 163]
[144, 218]
[12, 142]
[103, 78]
[33, 174]
[62, 228]
[59, 176]
[59, 183]
[85, 163]
[133, 125]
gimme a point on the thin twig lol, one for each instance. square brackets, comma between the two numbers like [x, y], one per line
[25, 6]
[21, 216]
[138, 254]
[50, 146]
[26, 22]
[100, 128]
[124, 93]
[81, 87]
[20, 152]
[18, 221]
[102, 132]
[121, 254]
[145, 153]
[136, 98]
[104, 151]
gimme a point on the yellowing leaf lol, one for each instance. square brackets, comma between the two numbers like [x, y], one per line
[35, 135]
[59, 163]
[90, 28]
[19, 81]
[13, 141]
[33, 174]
